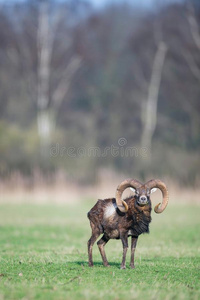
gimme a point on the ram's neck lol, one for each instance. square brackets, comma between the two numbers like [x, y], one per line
[140, 217]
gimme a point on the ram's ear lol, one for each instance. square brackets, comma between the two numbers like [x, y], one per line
[132, 189]
[153, 190]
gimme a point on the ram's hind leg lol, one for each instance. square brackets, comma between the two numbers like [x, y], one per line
[95, 234]
[101, 244]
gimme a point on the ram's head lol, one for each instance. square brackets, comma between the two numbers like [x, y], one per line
[142, 193]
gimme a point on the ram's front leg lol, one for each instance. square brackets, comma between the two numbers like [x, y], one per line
[124, 239]
[133, 246]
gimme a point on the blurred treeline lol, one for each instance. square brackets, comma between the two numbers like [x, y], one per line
[75, 76]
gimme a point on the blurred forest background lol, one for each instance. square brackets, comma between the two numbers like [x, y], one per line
[74, 76]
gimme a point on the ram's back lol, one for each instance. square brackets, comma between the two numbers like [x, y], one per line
[104, 215]
[101, 209]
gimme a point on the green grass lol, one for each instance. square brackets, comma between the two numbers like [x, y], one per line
[44, 256]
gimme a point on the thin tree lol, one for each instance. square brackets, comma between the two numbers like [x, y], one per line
[149, 107]
[47, 110]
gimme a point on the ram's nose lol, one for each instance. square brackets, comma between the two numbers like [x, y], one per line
[143, 198]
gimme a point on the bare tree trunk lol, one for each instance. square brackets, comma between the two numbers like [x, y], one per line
[47, 112]
[44, 119]
[149, 109]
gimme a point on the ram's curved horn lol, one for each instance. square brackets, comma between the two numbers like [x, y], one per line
[156, 183]
[122, 205]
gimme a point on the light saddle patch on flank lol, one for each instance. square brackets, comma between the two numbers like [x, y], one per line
[109, 211]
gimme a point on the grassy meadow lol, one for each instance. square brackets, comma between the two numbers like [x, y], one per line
[44, 255]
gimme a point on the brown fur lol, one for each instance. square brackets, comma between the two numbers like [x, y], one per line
[105, 218]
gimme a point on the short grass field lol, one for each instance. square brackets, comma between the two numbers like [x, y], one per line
[44, 256]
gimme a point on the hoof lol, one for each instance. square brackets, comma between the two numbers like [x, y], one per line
[132, 266]
[107, 265]
[123, 267]
[90, 265]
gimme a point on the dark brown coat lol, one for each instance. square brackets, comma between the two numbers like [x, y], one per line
[105, 218]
